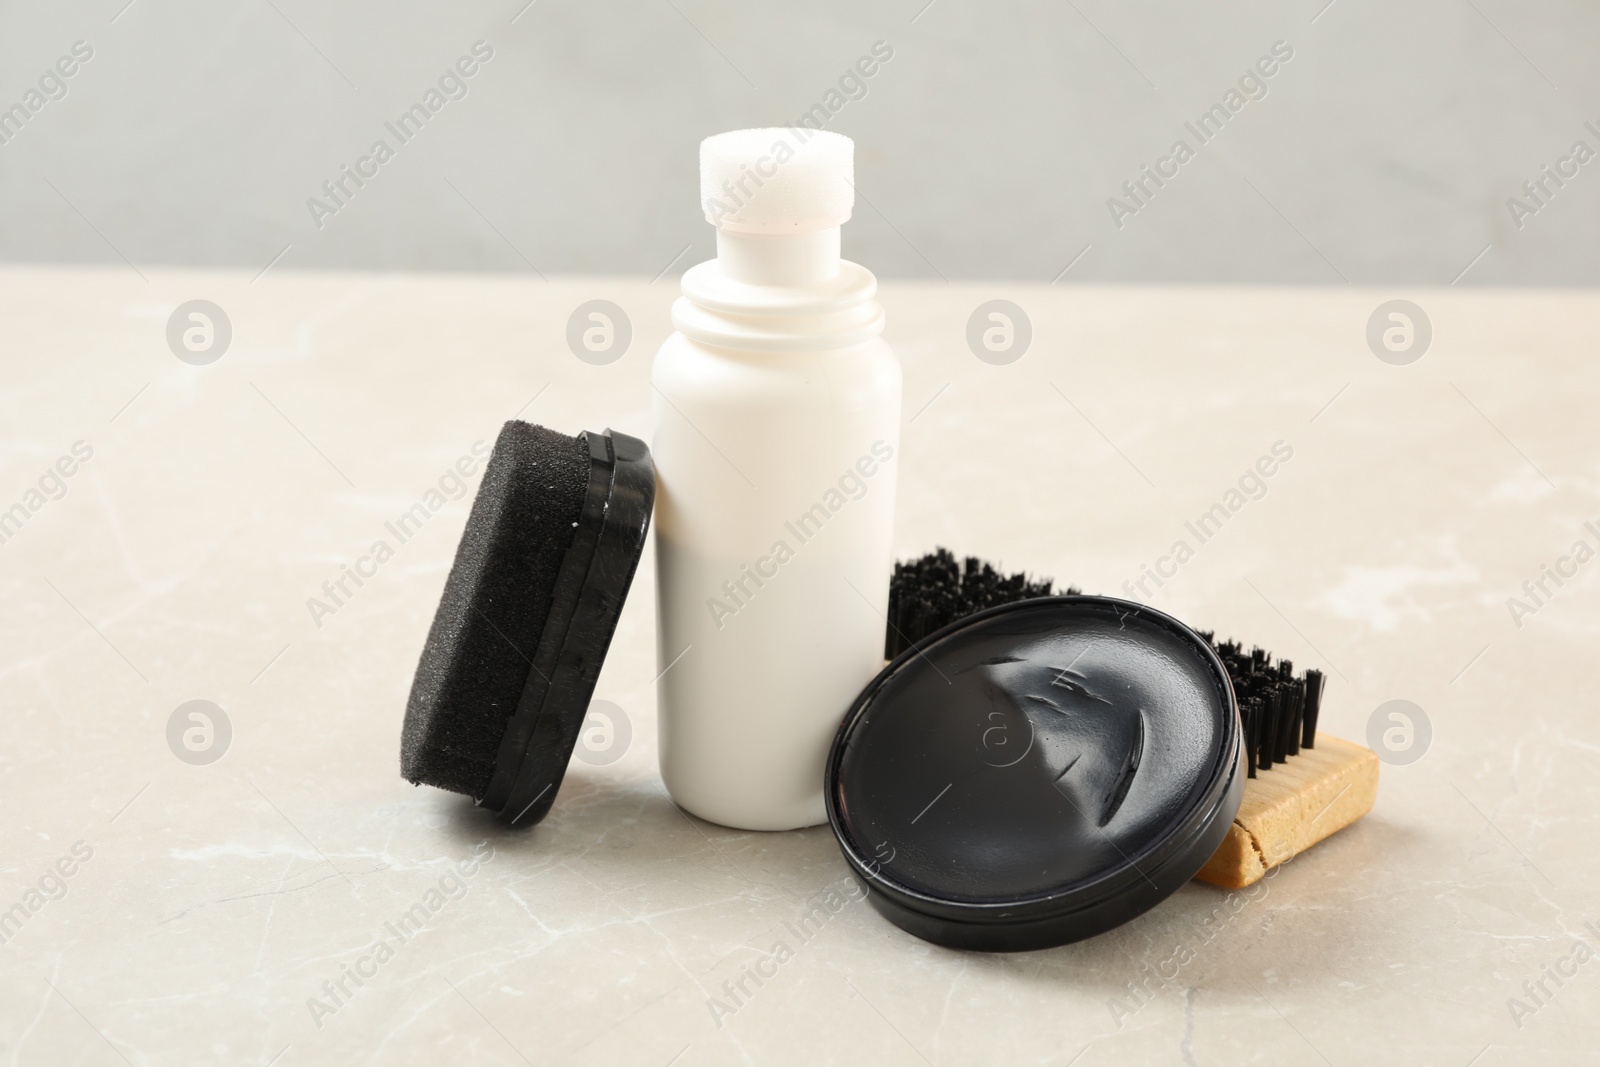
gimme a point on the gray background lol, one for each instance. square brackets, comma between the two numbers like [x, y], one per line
[987, 147]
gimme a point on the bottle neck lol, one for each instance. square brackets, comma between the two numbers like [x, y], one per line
[779, 259]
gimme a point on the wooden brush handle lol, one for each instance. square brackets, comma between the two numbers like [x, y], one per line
[1291, 807]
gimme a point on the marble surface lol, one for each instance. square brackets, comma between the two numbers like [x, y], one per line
[210, 906]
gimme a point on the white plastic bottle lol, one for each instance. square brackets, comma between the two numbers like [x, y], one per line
[777, 422]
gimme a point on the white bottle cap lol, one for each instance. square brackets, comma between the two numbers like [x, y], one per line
[777, 180]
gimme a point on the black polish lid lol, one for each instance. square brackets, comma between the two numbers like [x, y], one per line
[1037, 773]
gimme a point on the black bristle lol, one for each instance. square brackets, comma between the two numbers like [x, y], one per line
[1280, 697]
[1267, 744]
[1285, 715]
[1295, 693]
[1308, 721]
[1279, 715]
[493, 609]
[928, 594]
[1250, 716]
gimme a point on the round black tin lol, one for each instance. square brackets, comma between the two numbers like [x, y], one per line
[1037, 773]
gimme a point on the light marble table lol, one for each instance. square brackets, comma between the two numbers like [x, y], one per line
[209, 903]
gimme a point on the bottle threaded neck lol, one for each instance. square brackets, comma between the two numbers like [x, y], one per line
[791, 259]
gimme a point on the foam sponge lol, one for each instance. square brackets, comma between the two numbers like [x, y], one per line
[777, 180]
[494, 607]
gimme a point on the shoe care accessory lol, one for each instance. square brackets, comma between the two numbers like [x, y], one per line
[1035, 769]
[528, 611]
[777, 415]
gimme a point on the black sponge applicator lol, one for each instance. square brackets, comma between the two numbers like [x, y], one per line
[528, 611]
